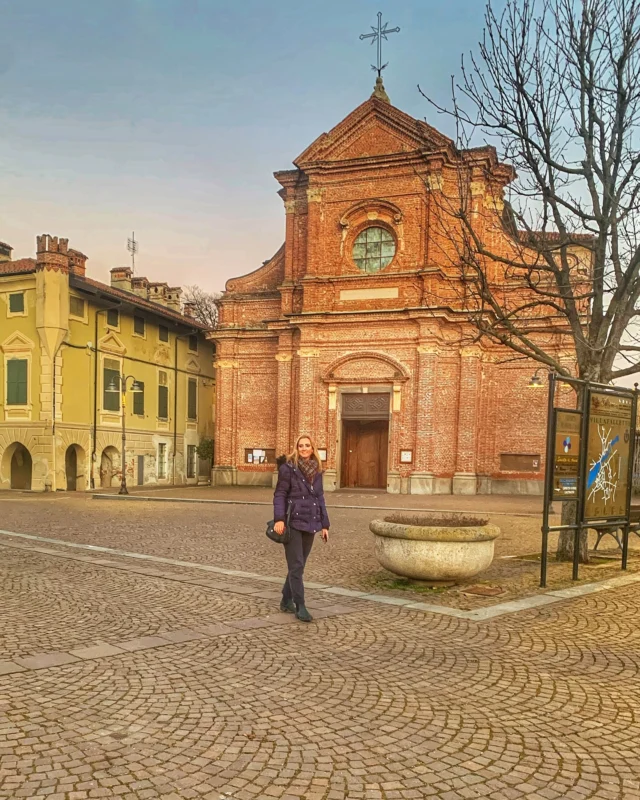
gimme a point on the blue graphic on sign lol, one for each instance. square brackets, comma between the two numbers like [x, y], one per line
[600, 463]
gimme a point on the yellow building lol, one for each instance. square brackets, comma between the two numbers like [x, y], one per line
[69, 345]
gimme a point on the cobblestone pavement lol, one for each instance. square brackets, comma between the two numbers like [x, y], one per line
[233, 536]
[162, 682]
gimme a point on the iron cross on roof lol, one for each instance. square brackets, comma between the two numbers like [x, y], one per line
[379, 33]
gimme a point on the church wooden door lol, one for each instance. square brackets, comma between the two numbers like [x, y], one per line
[364, 454]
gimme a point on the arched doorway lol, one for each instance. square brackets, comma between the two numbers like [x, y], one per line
[109, 465]
[71, 468]
[21, 468]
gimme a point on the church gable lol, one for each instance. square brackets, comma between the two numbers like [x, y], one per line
[375, 128]
[373, 140]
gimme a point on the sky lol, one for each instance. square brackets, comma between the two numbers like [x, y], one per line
[169, 117]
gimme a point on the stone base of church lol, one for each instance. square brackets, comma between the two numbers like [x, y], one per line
[421, 483]
[417, 483]
[224, 476]
[464, 483]
[488, 485]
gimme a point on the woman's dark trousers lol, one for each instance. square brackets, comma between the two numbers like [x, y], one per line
[297, 551]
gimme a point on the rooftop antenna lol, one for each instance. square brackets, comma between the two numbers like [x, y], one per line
[132, 247]
[379, 33]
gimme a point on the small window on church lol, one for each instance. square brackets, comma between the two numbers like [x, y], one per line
[373, 249]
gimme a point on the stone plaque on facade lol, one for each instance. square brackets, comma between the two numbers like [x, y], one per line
[566, 455]
[608, 451]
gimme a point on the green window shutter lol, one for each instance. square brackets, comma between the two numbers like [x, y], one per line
[16, 303]
[163, 333]
[163, 402]
[17, 369]
[111, 373]
[138, 325]
[113, 317]
[138, 400]
[192, 404]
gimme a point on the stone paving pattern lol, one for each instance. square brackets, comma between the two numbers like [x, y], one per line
[233, 536]
[381, 703]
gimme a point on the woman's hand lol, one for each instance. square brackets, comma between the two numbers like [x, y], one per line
[279, 528]
[325, 535]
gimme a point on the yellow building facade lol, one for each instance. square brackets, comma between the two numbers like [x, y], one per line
[76, 355]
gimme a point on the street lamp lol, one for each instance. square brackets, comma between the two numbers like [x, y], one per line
[113, 387]
[536, 380]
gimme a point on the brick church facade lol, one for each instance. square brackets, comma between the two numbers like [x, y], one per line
[338, 335]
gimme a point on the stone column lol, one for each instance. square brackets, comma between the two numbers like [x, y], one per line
[422, 477]
[396, 483]
[333, 421]
[225, 468]
[465, 477]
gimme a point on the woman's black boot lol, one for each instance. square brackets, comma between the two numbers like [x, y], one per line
[288, 605]
[302, 614]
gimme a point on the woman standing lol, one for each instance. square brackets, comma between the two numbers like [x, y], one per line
[299, 493]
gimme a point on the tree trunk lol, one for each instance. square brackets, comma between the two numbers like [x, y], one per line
[565, 541]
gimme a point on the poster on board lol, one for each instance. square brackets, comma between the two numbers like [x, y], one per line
[566, 455]
[608, 452]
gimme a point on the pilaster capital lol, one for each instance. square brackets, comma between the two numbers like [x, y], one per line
[476, 188]
[471, 352]
[289, 206]
[314, 194]
[308, 352]
[284, 356]
[396, 397]
[428, 349]
[226, 363]
[434, 181]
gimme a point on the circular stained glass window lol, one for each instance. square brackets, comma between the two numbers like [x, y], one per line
[373, 249]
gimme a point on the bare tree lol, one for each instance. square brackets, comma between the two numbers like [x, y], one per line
[203, 305]
[549, 255]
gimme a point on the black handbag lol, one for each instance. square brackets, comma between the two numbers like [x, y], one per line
[280, 538]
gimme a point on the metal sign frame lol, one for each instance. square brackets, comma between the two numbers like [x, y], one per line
[588, 389]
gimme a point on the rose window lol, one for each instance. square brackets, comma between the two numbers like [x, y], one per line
[373, 249]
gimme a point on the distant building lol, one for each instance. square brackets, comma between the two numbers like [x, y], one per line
[353, 333]
[66, 341]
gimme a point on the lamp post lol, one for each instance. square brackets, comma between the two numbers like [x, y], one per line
[113, 387]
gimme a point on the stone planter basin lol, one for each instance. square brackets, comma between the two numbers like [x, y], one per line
[429, 547]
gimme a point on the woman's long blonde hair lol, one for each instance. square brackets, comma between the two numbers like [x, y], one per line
[294, 457]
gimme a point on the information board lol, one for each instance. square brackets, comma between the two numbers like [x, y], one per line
[608, 452]
[566, 454]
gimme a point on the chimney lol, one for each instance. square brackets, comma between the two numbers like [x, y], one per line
[140, 286]
[77, 262]
[121, 278]
[52, 253]
[5, 251]
[158, 293]
[174, 293]
[189, 310]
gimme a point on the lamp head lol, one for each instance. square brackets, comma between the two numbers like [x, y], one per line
[536, 381]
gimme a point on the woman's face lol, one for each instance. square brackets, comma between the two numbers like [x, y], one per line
[304, 448]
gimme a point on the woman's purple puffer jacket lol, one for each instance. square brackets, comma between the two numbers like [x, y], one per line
[308, 510]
